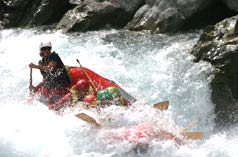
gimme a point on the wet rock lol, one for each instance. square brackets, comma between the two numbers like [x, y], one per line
[232, 4]
[83, 15]
[89, 15]
[93, 15]
[157, 16]
[22, 13]
[219, 45]
[176, 15]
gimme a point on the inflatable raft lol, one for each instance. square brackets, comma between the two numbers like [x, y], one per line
[98, 81]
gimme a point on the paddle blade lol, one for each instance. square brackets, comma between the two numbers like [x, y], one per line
[161, 105]
[193, 135]
[88, 119]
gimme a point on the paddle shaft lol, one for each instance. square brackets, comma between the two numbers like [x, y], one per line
[189, 126]
[31, 91]
[30, 76]
[90, 80]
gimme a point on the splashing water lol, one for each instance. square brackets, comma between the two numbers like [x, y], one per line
[152, 68]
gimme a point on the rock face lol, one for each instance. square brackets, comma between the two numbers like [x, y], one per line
[90, 15]
[83, 15]
[157, 16]
[93, 15]
[219, 46]
[174, 15]
[163, 15]
[22, 13]
[232, 4]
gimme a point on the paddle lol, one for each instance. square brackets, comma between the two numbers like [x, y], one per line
[30, 96]
[88, 119]
[191, 135]
[30, 76]
[85, 73]
[31, 81]
[196, 135]
[187, 134]
[161, 105]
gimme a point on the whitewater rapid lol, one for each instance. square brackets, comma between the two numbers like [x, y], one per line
[152, 68]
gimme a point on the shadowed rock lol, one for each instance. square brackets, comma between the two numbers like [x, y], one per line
[93, 15]
[90, 15]
[83, 15]
[22, 13]
[232, 4]
[219, 46]
[175, 15]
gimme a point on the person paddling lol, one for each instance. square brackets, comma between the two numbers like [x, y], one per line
[55, 76]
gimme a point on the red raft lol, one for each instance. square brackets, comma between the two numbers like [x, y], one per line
[100, 82]
[77, 73]
[141, 133]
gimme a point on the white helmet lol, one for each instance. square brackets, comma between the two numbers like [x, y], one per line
[46, 44]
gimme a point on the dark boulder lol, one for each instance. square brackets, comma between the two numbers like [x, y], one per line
[96, 14]
[157, 16]
[232, 4]
[83, 15]
[219, 45]
[90, 15]
[24, 13]
[178, 15]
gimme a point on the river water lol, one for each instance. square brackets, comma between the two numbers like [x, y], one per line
[152, 68]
